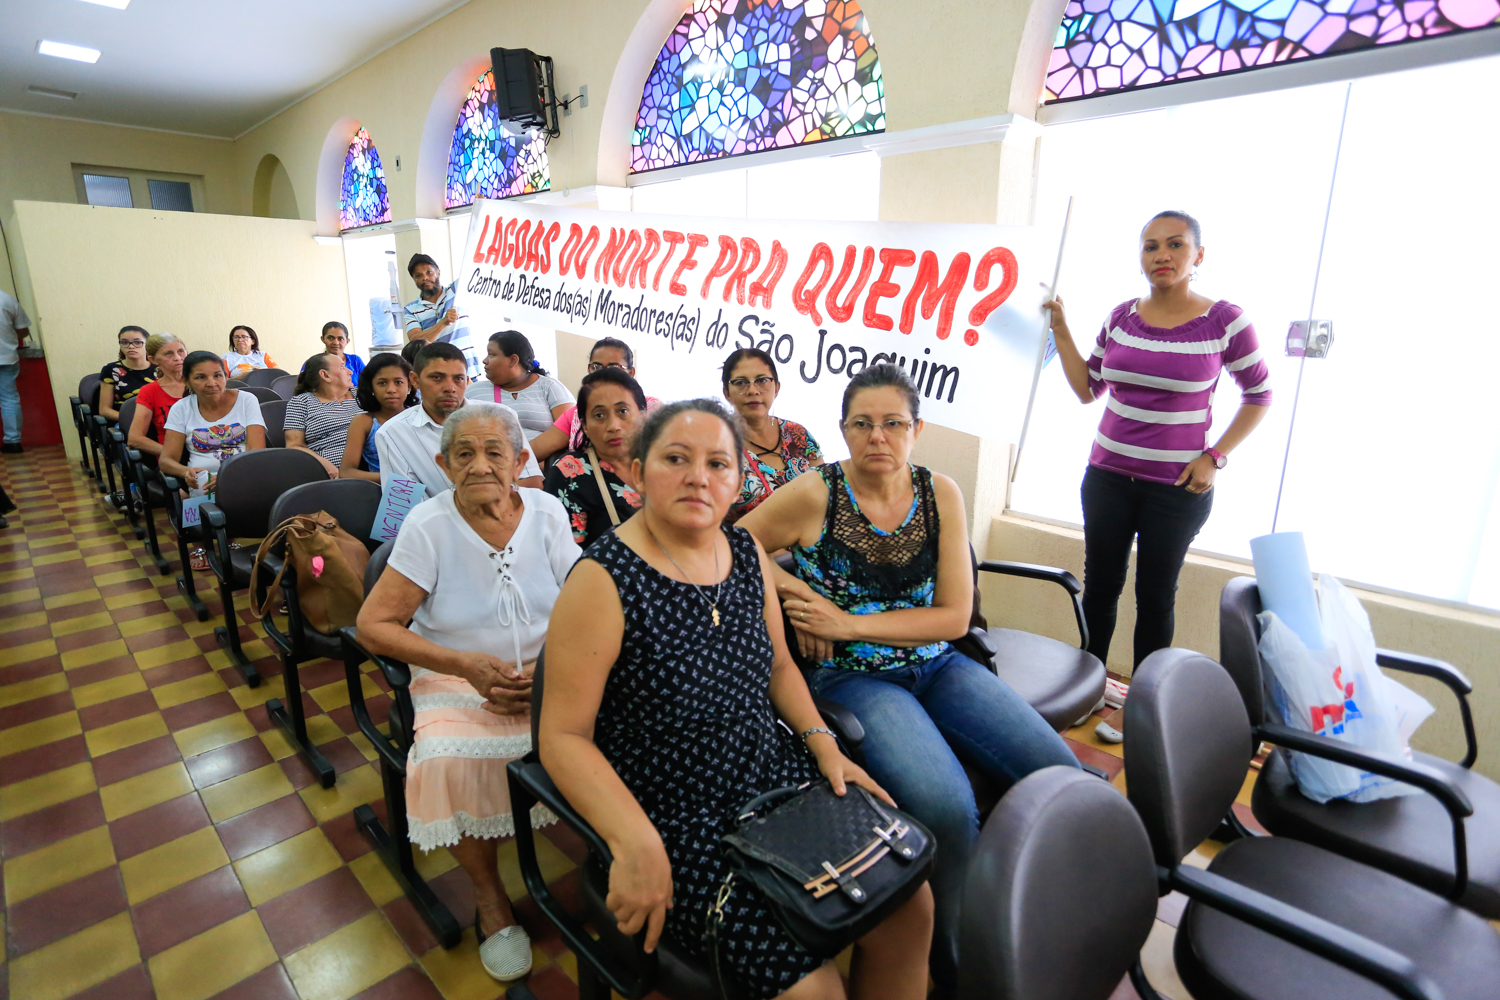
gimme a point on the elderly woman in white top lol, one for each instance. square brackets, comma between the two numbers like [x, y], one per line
[475, 568]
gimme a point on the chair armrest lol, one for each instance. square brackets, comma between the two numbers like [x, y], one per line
[1446, 673]
[218, 553]
[844, 723]
[397, 674]
[1429, 779]
[387, 746]
[1327, 940]
[1031, 571]
[530, 784]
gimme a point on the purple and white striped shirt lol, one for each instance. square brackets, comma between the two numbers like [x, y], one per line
[1161, 387]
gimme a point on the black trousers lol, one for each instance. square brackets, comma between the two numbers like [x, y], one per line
[1163, 520]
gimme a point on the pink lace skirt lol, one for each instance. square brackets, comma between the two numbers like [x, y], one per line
[455, 774]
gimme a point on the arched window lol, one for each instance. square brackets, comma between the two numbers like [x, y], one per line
[362, 198]
[741, 76]
[1105, 46]
[485, 162]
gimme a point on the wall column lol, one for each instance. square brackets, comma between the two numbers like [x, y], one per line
[990, 182]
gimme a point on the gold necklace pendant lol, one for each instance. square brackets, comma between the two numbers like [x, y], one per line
[715, 610]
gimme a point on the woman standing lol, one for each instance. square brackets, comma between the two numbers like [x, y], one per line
[244, 354]
[884, 580]
[335, 338]
[385, 390]
[1151, 473]
[156, 400]
[776, 450]
[121, 380]
[666, 678]
[594, 482]
[476, 571]
[514, 377]
[319, 413]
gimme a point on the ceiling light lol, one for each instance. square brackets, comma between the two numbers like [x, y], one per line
[66, 95]
[62, 50]
[116, 4]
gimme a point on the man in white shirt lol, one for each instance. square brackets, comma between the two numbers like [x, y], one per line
[434, 315]
[15, 327]
[409, 443]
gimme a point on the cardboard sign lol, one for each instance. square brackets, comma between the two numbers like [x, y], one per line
[190, 513]
[957, 306]
[397, 500]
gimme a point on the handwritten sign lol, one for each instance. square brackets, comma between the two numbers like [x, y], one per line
[399, 497]
[190, 513]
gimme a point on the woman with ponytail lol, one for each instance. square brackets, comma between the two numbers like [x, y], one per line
[514, 377]
[319, 414]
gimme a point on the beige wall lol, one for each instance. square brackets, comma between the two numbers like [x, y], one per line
[37, 157]
[186, 273]
[1468, 639]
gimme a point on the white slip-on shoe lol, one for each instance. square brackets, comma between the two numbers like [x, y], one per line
[506, 954]
[1108, 733]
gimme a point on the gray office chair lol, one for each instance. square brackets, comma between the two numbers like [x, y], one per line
[83, 415]
[285, 386]
[353, 502]
[265, 394]
[264, 377]
[1410, 836]
[1187, 756]
[274, 414]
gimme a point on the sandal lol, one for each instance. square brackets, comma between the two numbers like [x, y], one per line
[198, 560]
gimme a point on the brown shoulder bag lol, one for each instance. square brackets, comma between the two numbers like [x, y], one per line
[330, 565]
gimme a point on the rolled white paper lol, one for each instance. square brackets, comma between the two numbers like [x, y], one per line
[1286, 584]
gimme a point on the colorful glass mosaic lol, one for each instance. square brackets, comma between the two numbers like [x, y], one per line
[1105, 46]
[485, 162]
[741, 76]
[362, 199]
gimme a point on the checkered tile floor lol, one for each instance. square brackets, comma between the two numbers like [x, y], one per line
[158, 836]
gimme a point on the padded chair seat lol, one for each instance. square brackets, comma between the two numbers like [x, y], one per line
[1410, 836]
[678, 976]
[1220, 957]
[1062, 682]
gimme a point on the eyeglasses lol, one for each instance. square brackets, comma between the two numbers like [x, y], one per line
[763, 383]
[860, 427]
[132, 343]
[595, 366]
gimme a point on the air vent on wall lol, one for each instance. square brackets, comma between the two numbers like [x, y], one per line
[66, 95]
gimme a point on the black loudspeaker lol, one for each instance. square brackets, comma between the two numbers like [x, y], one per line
[523, 85]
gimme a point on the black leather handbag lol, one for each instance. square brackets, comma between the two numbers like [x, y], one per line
[830, 867]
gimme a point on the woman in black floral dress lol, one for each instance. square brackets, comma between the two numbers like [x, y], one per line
[662, 719]
[613, 407]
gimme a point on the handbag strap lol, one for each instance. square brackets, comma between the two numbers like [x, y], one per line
[711, 932]
[609, 502]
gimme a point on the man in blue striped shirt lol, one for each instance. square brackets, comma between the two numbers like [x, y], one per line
[434, 315]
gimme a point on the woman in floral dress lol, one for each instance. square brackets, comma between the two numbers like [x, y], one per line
[613, 406]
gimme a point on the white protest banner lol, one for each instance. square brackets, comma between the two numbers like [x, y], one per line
[957, 306]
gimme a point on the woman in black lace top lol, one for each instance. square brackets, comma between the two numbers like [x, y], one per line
[667, 678]
[884, 580]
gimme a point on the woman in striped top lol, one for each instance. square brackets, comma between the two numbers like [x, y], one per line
[1151, 473]
[319, 414]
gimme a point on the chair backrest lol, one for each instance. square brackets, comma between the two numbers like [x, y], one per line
[537, 682]
[87, 387]
[274, 414]
[1239, 646]
[236, 383]
[251, 482]
[264, 393]
[1022, 935]
[285, 386]
[127, 414]
[353, 501]
[1188, 750]
[262, 376]
[378, 559]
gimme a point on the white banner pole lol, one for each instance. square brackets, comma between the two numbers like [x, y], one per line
[1041, 351]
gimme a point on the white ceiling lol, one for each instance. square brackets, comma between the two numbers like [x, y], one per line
[207, 67]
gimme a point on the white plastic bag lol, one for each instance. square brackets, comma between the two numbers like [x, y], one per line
[1341, 693]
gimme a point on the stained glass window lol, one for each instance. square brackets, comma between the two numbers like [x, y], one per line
[485, 162]
[362, 200]
[1104, 46]
[741, 76]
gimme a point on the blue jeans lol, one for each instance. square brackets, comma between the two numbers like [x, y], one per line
[10, 402]
[915, 719]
